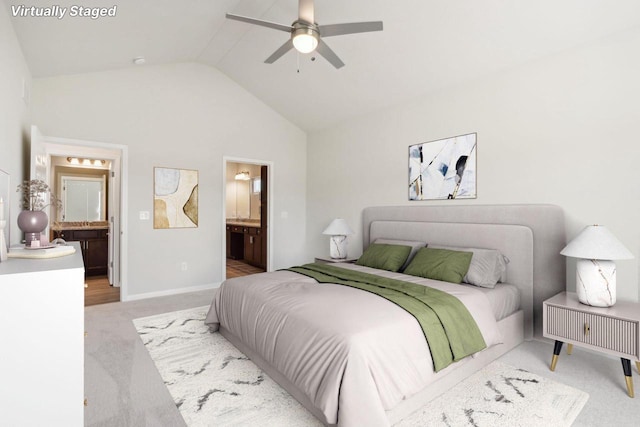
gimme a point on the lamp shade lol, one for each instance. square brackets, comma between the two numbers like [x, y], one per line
[338, 227]
[596, 242]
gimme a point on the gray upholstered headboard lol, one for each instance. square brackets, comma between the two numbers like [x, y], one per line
[532, 236]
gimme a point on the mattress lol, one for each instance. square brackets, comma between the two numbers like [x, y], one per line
[504, 299]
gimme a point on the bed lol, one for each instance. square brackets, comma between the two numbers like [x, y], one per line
[353, 358]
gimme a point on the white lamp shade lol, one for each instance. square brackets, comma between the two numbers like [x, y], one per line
[338, 227]
[596, 242]
[305, 43]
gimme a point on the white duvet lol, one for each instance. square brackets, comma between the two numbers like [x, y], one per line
[354, 354]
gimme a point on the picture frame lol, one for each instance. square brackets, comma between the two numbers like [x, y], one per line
[443, 169]
[175, 198]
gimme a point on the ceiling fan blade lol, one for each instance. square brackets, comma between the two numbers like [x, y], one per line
[281, 51]
[305, 11]
[328, 54]
[350, 28]
[260, 22]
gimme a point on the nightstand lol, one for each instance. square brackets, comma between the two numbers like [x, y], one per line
[612, 330]
[328, 260]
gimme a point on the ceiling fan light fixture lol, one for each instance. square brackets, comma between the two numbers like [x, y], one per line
[305, 38]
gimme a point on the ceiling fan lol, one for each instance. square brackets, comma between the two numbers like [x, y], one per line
[306, 34]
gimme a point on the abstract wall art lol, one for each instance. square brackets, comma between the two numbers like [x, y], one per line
[175, 198]
[443, 169]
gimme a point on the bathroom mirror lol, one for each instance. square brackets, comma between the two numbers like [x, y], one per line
[84, 198]
[243, 191]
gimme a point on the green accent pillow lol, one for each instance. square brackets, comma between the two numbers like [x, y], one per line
[440, 264]
[384, 257]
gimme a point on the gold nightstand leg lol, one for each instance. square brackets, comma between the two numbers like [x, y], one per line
[629, 386]
[638, 366]
[569, 348]
[554, 362]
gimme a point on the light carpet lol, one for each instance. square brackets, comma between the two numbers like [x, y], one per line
[213, 383]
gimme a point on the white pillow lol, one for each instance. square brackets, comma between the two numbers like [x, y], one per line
[415, 246]
[488, 266]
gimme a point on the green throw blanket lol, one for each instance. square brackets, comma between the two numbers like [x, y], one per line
[448, 327]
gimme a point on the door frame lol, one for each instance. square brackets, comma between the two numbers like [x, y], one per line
[119, 156]
[270, 167]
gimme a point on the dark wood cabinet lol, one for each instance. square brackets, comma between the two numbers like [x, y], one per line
[246, 243]
[95, 248]
[235, 242]
[253, 247]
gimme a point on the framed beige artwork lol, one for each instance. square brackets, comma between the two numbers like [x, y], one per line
[175, 198]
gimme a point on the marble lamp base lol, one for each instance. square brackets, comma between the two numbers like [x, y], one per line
[338, 247]
[596, 282]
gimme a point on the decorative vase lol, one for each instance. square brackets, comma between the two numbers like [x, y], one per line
[32, 223]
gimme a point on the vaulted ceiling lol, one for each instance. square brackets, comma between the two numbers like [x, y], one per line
[426, 45]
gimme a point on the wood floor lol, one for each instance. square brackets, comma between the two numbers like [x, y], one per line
[237, 268]
[98, 291]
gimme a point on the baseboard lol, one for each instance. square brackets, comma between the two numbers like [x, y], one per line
[169, 292]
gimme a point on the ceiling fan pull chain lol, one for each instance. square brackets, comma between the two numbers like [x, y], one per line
[298, 61]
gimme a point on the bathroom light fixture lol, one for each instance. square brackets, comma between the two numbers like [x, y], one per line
[85, 162]
[242, 176]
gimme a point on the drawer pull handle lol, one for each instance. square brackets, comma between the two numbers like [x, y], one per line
[587, 329]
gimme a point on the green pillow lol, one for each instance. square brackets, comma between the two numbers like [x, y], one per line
[440, 264]
[384, 257]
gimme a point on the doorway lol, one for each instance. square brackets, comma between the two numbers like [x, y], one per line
[95, 178]
[247, 205]
[83, 185]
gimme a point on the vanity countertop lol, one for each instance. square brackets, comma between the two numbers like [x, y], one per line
[83, 225]
[244, 222]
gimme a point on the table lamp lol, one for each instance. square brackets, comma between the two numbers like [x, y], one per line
[338, 230]
[596, 248]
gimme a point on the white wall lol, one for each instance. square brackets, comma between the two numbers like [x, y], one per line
[180, 116]
[14, 116]
[564, 130]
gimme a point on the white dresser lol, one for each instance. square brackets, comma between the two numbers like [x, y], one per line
[42, 341]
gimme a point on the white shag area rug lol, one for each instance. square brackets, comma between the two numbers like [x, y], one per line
[214, 384]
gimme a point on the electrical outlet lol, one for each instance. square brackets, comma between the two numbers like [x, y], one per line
[144, 215]
[183, 266]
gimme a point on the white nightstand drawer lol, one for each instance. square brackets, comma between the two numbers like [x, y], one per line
[610, 333]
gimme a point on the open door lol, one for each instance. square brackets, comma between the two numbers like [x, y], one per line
[110, 219]
[264, 212]
[39, 165]
[39, 159]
